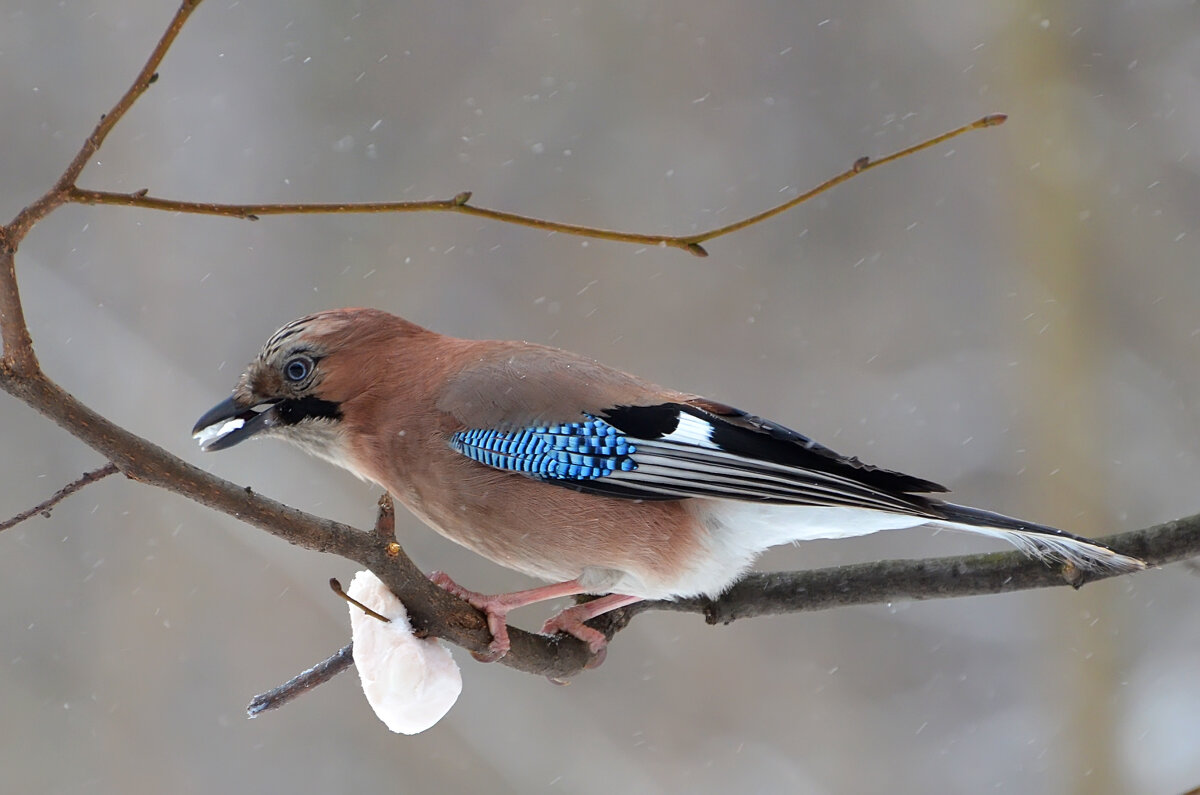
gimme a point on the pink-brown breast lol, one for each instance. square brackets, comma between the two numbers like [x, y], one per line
[554, 532]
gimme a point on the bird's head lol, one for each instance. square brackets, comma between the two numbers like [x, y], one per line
[298, 385]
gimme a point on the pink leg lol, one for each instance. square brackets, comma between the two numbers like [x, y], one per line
[497, 606]
[571, 621]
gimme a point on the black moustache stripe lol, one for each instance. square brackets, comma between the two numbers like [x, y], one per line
[291, 412]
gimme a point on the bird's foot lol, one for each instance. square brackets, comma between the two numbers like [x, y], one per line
[495, 607]
[571, 622]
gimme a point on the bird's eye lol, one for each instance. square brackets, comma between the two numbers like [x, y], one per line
[297, 369]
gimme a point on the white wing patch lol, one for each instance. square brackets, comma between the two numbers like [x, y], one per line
[691, 430]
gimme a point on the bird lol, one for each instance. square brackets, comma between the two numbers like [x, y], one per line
[573, 472]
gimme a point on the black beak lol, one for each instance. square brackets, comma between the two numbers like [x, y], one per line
[229, 422]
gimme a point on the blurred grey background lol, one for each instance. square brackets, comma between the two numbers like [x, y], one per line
[1013, 314]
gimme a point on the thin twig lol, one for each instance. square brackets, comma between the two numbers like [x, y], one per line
[60, 495]
[385, 521]
[302, 682]
[337, 588]
[860, 165]
[460, 203]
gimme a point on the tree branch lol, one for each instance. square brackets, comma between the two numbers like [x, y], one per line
[18, 345]
[459, 204]
[918, 580]
[880, 582]
[431, 609]
[66, 491]
[302, 682]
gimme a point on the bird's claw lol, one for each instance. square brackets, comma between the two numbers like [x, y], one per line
[491, 606]
[570, 623]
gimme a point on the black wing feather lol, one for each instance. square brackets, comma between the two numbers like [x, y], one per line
[749, 459]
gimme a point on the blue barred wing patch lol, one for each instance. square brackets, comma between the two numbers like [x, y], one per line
[567, 451]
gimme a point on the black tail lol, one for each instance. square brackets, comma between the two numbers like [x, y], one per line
[1037, 540]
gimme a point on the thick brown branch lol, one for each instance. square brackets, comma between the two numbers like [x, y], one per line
[19, 357]
[60, 495]
[858, 584]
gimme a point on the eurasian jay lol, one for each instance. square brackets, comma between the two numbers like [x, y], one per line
[559, 467]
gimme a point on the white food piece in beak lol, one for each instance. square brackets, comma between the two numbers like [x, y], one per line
[206, 436]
